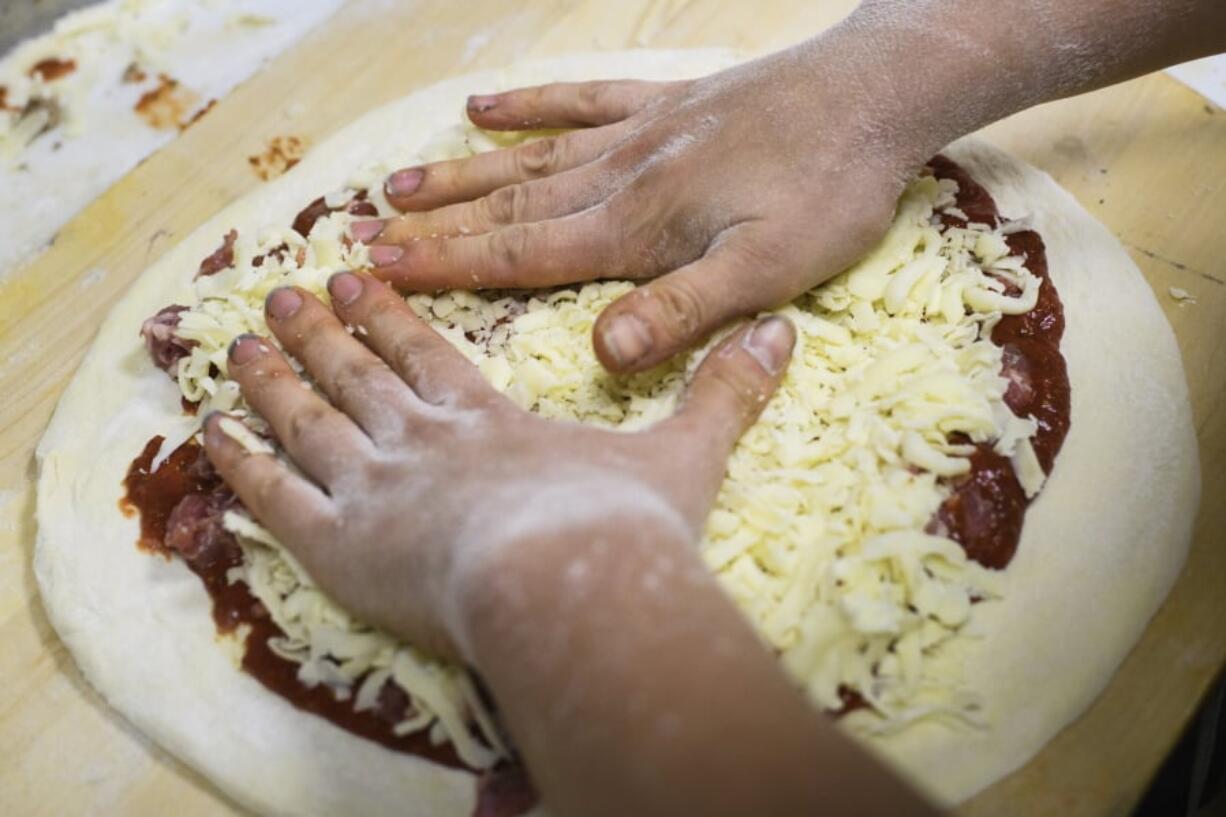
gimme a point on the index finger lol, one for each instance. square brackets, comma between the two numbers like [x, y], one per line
[580, 247]
[564, 104]
[426, 187]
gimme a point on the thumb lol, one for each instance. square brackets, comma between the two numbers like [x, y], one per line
[677, 311]
[733, 385]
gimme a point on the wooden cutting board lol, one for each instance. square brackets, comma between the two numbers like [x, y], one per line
[1148, 158]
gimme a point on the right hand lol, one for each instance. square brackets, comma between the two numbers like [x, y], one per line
[736, 192]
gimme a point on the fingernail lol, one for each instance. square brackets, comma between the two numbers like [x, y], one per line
[345, 288]
[770, 343]
[385, 254]
[283, 302]
[404, 182]
[244, 348]
[627, 339]
[480, 103]
[212, 433]
[366, 231]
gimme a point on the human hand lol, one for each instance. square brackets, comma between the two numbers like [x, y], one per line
[739, 190]
[419, 470]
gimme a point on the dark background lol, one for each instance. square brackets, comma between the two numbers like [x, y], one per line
[1192, 782]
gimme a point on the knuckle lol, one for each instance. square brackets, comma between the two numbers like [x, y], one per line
[507, 250]
[742, 386]
[592, 99]
[538, 158]
[355, 377]
[537, 98]
[306, 422]
[506, 205]
[380, 304]
[314, 337]
[653, 98]
[406, 355]
[259, 383]
[433, 370]
[681, 306]
[429, 355]
[429, 365]
[269, 486]
[380, 310]
[628, 232]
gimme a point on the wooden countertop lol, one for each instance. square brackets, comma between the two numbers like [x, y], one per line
[1148, 158]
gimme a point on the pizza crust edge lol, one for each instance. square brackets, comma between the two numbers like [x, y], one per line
[1105, 540]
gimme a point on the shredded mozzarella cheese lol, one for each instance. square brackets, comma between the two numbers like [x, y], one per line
[818, 533]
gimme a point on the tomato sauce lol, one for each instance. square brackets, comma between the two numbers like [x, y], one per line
[154, 494]
[53, 68]
[319, 208]
[987, 507]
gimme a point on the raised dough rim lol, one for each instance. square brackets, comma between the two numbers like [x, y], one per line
[1105, 541]
[278, 769]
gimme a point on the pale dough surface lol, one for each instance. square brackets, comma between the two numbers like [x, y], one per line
[1105, 540]
[1100, 550]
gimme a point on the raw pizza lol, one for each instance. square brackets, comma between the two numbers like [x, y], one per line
[973, 489]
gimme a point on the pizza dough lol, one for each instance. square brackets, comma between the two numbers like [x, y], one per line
[1100, 548]
[1107, 537]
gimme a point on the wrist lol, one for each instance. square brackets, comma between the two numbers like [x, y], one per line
[933, 73]
[514, 563]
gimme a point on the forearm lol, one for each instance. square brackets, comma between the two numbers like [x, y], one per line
[949, 67]
[633, 686]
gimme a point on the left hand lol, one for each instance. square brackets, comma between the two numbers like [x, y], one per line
[419, 473]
